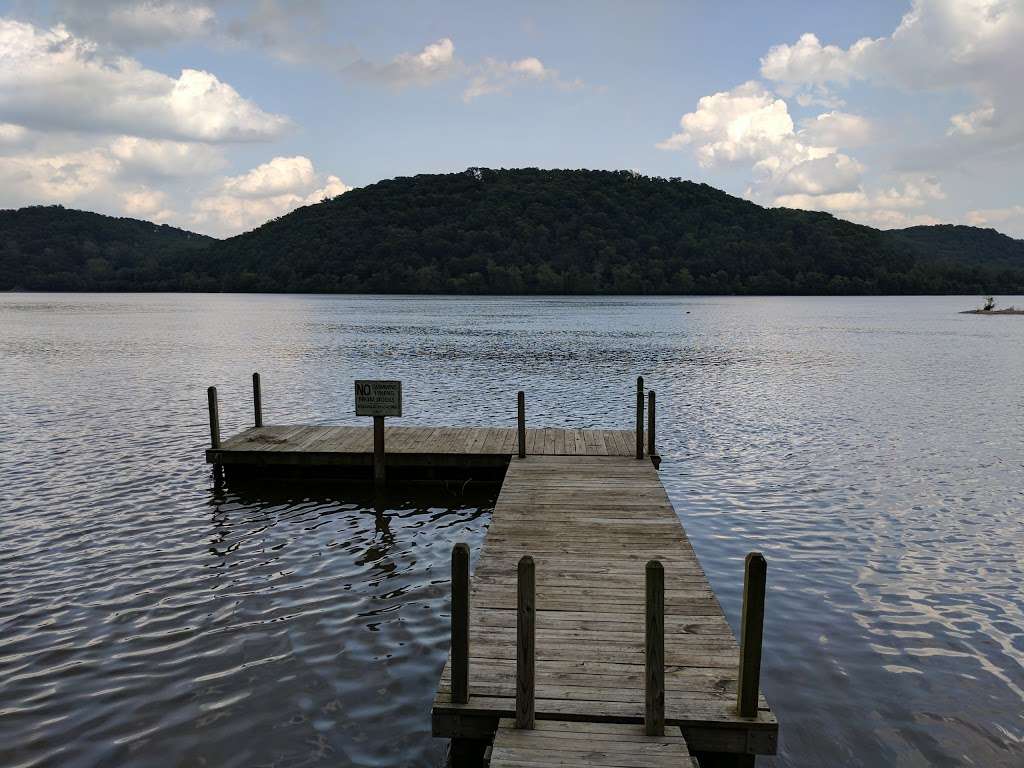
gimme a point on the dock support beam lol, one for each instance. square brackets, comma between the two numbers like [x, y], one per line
[751, 633]
[639, 417]
[379, 474]
[525, 642]
[257, 400]
[521, 407]
[650, 424]
[211, 397]
[460, 624]
[654, 657]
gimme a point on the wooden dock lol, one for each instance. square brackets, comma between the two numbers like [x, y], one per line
[588, 633]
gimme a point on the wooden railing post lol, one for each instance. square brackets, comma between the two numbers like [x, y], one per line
[521, 407]
[525, 642]
[379, 472]
[751, 633]
[211, 397]
[460, 624]
[654, 661]
[257, 399]
[650, 424]
[639, 417]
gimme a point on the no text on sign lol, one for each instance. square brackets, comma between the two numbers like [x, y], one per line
[378, 398]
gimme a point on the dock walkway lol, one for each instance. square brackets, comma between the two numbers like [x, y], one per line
[591, 523]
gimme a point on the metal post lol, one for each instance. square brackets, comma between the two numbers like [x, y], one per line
[525, 642]
[639, 417]
[460, 624]
[751, 634]
[257, 399]
[379, 476]
[211, 397]
[521, 403]
[654, 710]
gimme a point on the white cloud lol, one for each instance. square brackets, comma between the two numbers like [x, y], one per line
[494, 76]
[149, 157]
[805, 168]
[972, 46]
[272, 189]
[836, 129]
[55, 178]
[435, 62]
[970, 123]
[51, 80]
[808, 62]
[11, 134]
[1009, 219]
[895, 206]
[138, 24]
[146, 203]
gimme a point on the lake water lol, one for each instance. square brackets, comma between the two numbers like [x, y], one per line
[872, 448]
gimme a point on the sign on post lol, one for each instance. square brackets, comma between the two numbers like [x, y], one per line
[378, 398]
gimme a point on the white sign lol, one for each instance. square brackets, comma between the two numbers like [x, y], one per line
[378, 398]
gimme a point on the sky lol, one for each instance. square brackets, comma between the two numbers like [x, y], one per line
[217, 115]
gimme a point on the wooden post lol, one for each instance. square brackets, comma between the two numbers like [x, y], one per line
[751, 631]
[639, 417]
[654, 677]
[379, 475]
[211, 397]
[525, 642]
[521, 402]
[650, 424]
[257, 399]
[460, 624]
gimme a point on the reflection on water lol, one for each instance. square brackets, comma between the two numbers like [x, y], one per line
[870, 447]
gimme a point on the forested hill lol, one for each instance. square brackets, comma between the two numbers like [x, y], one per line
[55, 248]
[539, 231]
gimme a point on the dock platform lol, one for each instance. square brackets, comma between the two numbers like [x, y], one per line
[588, 633]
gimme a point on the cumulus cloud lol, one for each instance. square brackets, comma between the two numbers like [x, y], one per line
[146, 203]
[272, 189]
[797, 168]
[51, 80]
[750, 125]
[975, 46]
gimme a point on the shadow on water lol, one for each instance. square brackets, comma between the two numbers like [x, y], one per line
[349, 587]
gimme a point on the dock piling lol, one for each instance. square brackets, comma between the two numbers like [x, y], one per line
[257, 400]
[525, 642]
[751, 634]
[460, 624]
[650, 424]
[521, 407]
[379, 473]
[211, 397]
[639, 417]
[654, 657]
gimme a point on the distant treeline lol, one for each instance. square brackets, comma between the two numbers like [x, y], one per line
[525, 231]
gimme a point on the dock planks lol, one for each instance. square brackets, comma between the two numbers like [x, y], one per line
[456, 446]
[591, 523]
[587, 745]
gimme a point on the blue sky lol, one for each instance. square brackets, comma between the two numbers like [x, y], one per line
[216, 115]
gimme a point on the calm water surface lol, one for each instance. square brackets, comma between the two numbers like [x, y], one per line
[871, 448]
